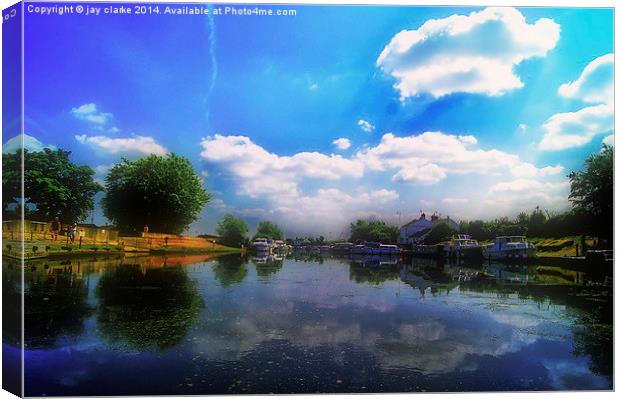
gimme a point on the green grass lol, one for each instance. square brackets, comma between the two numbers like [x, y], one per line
[559, 246]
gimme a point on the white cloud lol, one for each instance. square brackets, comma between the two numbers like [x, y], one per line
[522, 127]
[278, 182]
[365, 126]
[609, 140]
[342, 143]
[595, 85]
[430, 157]
[30, 143]
[90, 113]
[528, 193]
[275, 179]
[101, 171]
[264, 172]
[313, 87]
[138, 145]
[574, 129]
[473, 53]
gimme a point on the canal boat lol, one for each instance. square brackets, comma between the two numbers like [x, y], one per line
[510, 247]
[342, 248]
[263, 245]
[387, 249]
[372, 248]
[280, 246]
[463, 247]
[358, 249]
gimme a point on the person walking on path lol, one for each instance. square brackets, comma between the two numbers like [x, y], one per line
[56, 227]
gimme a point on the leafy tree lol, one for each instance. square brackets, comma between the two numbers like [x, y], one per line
[440, 232]
[233, 231]
[53, 185]
[162, 192]
[268, 230]
[536, 222]
[592, 192]
[373, 230]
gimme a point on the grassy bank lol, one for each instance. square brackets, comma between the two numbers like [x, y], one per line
[559, 247]
[60, 249]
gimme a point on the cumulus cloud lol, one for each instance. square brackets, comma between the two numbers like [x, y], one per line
[594, 86]
[276, 179]
[279, 182]
[90, 113]
[30, 143]
[138, 145]
[474, 53]
[609, 140]
[528, 193]
[574, 129]
[342, 143]
[365, 126]
[430, 157]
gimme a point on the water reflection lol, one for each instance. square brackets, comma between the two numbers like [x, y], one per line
[55, 304]
[146, 309]
[268, 264]
[230, 269]
[269, 324]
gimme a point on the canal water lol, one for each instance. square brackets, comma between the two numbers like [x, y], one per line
[304, 324]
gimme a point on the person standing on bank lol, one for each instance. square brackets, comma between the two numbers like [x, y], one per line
[56, 227]
[71, 231]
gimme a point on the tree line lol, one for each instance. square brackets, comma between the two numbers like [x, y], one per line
[163, 193]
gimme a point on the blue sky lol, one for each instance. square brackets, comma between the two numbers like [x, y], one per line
[336, 113]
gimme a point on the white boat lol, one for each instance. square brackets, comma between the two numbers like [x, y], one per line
[510, 247]
[279, 245]
[462, 246]
[263, 245]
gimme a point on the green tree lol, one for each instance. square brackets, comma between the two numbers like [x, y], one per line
[53, 185]
[373, 230]
[268, 230]
[233, 231]
[592, 192]
[440, 232]
[162, 192]
[536, 222]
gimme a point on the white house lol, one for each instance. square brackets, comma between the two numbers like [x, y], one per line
[417, 229]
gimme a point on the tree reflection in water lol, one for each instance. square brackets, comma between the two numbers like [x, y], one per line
[146, 309]
[267, 265]
[230, 269]
[55, 303]
[591, 307]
